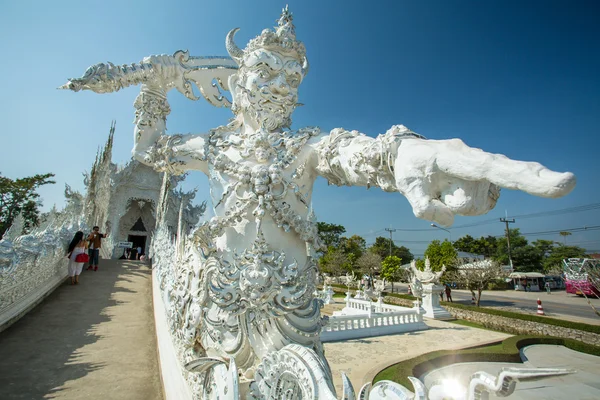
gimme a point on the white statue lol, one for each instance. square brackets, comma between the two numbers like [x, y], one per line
[350, 280]
[427, 275]
[258, 252]
[379, 287]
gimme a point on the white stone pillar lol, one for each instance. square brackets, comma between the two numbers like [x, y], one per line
[431, 302]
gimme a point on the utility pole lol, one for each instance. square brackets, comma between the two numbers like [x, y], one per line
[390, 230]
[507, 221]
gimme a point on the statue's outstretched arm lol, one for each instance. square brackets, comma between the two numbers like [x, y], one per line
[175, 154]
[440, 178]
[157, 75]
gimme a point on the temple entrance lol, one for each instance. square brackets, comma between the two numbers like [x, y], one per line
[138, 241]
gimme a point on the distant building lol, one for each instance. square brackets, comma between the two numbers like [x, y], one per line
[469, 257]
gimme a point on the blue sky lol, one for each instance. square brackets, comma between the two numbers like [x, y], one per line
[511, 77]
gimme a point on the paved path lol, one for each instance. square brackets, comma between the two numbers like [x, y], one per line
[362, 359]
[95, 340]
[584, 384]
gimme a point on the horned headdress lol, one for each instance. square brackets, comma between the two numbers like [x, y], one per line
[282, 40]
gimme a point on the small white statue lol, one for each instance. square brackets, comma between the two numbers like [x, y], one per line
[427, 275]
[350, 280]
[379, 287]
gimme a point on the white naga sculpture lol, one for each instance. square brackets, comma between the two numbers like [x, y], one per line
[257, 275]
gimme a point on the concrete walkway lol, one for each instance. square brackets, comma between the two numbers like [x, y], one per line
[95, 340]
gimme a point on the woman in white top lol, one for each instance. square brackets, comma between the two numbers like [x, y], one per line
[77, 246]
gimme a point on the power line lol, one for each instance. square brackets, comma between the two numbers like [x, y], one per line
[582, 229]
[508, 221]
[584, 241]
[560, 211]
[390, 230]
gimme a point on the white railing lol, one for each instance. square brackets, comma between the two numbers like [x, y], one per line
[33, 265]
[359, 306]
[365, 319]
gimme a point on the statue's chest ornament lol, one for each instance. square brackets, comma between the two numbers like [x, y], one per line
[261, 178]
[260, 182]
[259, 280]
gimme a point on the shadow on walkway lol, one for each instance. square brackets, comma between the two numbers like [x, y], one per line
[95, 340]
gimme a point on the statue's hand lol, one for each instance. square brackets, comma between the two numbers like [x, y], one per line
[441, 178]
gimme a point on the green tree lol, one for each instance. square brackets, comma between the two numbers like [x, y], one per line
[330, 234]
[369, 263]
[485, 246]
[564, 234]
[354, 247]
[390, 269]
[333, 262]
[382, 248]
[441, 253]
[544, 247]
[559, 253]
[20, 196]
[525, 257]
[466, 244]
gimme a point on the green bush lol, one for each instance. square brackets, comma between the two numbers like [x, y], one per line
[506, 351]
[402, 296]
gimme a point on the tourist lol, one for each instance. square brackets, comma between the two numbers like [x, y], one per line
[95, 239]
[139, 252]
[448, 294]
[76, 247]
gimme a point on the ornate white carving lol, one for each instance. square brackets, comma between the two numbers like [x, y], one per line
[241, 286]
[427, 275]
[379, 287]
[32, 265]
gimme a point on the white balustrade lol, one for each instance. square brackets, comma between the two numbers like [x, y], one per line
[363, 318]
[33, 265]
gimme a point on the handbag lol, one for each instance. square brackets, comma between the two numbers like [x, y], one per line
[82, 258]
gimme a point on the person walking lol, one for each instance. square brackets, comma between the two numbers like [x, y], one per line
[139, 252]
[449, 294]
[75, 251]
[95, 239]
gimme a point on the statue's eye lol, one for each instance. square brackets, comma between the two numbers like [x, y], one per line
[264, 73]
[293, 80]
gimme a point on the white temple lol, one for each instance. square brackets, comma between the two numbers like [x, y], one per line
[123, 201]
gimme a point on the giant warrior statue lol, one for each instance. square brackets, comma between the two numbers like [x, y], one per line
[258, 252]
